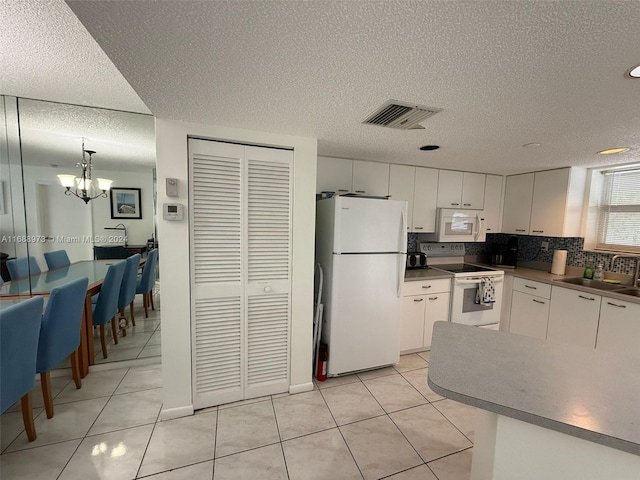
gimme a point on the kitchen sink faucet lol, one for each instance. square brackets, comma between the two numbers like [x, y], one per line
[637, 271]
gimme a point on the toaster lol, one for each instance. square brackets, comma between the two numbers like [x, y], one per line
[416, 260]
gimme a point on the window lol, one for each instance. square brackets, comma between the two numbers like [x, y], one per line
[618, 213]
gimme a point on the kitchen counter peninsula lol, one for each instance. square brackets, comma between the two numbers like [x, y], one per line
[550, 411]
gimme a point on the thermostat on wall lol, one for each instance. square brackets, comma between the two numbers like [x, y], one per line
[172, 211]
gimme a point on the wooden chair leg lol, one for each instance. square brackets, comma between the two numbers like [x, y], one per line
[151, 299]
[114, 330]
[27, 417]
[45, 381]
[145, 302]
[103, 343]
[123, 323]
[75, 368]
[133, 318]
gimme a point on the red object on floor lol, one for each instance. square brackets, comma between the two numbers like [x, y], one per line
[323, 356]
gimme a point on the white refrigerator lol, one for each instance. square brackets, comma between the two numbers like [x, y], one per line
[361, 245]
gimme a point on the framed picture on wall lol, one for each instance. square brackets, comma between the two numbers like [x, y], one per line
[125, 203]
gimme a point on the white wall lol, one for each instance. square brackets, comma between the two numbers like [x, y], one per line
[137, 230]
[171, 151]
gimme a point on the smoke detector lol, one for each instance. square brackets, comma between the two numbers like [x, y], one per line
[400, 115]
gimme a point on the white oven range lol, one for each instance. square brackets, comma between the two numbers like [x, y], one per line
[469, 282]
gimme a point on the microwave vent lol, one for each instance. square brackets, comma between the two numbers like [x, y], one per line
[399, 115]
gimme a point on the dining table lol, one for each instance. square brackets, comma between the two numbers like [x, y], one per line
[43, 283]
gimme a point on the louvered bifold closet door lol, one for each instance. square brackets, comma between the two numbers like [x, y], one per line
[268, 243]
[216, 217]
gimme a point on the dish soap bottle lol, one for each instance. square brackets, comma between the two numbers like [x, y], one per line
[599, 273]
[588, 271]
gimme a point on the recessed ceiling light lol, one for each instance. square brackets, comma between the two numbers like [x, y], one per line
[612, 151]
[528, 145]
[635, 72]
[429, 147]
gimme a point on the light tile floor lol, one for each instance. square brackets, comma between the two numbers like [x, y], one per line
[385, 423]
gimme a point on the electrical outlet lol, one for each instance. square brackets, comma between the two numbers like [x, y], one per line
[544, 246]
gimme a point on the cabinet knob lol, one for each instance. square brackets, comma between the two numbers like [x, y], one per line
[537, 231]
[267, 289]
[360, 191]
[520, 230]
[538, 301]
[418, 228]
[433, 298]
[455, 204]
[418, 299]
[531, 287]
[426, 286]
[467, 204]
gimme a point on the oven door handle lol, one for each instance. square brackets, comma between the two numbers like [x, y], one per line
[471, 281]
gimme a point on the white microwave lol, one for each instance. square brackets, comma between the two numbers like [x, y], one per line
[453, 225]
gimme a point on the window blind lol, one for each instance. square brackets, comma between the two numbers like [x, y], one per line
[619, 212]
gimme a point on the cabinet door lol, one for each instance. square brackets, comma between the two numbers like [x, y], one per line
[401, 181]
[412, 330]
[424, 200]
[573, 317]
[529, 315]
[450, 189]
[619, 329]
[437, 311]
[549, 202]
[334, 175]
[517, 204]
[371, 178]
[492, 203]
[473, 190]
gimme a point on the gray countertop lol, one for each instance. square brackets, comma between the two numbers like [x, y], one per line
[581, 392]
[425, 274]
[546, 277]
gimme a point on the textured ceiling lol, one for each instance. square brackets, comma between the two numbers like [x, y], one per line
[48, 54]
[52, 134]
[506, 73]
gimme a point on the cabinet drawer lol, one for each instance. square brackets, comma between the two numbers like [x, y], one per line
[424, 287]
[531, 287]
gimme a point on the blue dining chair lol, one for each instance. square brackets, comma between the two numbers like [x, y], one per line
[106, 307]
[57, 259]
[60, 334]
[19, 333]
[22, 267]
[145, 283]
[128, 289]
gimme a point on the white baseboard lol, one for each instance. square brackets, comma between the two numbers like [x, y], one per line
[171, 413]
[302, 387]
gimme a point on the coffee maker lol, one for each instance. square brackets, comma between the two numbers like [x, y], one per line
[506, 256]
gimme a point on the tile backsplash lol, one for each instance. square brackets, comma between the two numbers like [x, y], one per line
[529, 251]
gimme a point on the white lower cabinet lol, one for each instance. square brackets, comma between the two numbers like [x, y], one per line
[619, 329]
[529, 315]
[530, 308]
[423, 304]
[573, 317]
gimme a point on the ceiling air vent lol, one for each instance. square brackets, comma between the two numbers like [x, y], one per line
[404, 116]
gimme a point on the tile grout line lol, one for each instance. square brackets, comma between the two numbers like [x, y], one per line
[155, 424]
[284, 458]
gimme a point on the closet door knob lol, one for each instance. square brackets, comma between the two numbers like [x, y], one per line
[267, 289]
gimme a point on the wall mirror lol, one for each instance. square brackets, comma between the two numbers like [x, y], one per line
[52, 139]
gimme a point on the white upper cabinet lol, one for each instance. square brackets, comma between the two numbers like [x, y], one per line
[370, 178]
[558, 197]
[473, 190]
[518, 196]
[334, 175]
[461, 190]
[401, 187]
[492, 203]
[424, 200]
[450, 189]
[547, 203]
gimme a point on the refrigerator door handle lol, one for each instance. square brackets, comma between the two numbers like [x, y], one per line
[403, 230]
[400, 271]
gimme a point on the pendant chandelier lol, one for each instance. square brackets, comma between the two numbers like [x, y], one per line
[84, 186]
